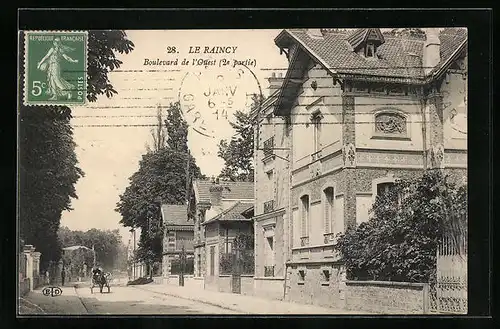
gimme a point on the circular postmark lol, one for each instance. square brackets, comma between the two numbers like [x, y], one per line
[209, 98]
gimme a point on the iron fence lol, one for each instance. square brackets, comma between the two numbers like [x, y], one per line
[243, 262]
[448, 294]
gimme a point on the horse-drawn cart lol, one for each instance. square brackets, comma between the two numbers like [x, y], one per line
[100, 280]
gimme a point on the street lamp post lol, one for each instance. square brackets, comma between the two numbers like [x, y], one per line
[94, 254]
[132, 230]
[183, 263]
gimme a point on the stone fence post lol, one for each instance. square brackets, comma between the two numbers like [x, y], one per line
[36, 268]
[28, 252]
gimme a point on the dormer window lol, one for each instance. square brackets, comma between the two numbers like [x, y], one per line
[366, 41]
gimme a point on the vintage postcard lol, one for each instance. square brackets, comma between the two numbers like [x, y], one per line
[285, 171]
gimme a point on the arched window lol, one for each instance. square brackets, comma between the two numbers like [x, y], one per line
[316, 123]
[328, 205]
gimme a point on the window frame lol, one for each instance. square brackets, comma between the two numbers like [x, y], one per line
[305, 208]
[212, 260]
[330, 207]
[370, 46]
[390, 178]
[316, 123]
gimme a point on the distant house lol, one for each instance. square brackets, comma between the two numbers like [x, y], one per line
[178, 234]
[272, 183]
[221, 230]
[212, 198]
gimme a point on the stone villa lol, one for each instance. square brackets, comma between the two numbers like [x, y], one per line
[356, 110]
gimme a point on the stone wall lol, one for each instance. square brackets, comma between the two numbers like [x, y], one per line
[271, 288]
[29, 268]
[386, 297]
[224, 284]
[315, 289]
[189, 281]
[24, 287]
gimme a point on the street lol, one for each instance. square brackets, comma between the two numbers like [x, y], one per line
[121, 300]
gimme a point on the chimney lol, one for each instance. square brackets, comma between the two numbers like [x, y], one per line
[275, 82]
[315, 33]
[432, 47]
[216, 193]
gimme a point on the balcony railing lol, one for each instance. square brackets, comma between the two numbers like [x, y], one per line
[268, 147]
[316, 156]
[269, 271]
[304, 241]
[329, 238]
[268, 206]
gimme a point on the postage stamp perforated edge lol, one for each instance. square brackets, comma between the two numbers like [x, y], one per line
[24, 76]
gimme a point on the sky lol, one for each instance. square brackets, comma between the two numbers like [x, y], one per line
[111, 134]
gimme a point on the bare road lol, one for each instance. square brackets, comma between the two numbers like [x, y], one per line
[122, 299]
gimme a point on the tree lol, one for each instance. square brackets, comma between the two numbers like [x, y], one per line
[160, 178]
[400, 242]
[107, 244]
[413, 32]
[159, 133]
[48, 167]
[177, 128]
[238, 153]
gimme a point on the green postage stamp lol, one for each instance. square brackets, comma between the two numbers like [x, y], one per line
[55, 68]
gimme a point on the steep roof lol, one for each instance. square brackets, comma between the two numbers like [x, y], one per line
[400, 57]
[231, 191]
[232, 213]
[73, 248]
[175, 215]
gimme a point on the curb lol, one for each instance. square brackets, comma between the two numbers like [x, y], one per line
[80, 299]
[193, 299]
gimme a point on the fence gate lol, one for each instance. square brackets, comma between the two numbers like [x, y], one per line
[448, 294]
[236, 272]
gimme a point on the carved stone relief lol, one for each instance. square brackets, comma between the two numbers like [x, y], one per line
[437, 156]
[390, 123]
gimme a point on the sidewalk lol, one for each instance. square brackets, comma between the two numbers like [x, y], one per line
[239, 303]
[67, 303]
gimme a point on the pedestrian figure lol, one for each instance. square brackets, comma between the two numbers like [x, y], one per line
[47, 277]
[63, 275]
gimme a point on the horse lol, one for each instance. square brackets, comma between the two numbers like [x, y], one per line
[100, 279]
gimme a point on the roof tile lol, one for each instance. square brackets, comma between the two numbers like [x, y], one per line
[232, 213]
[175, 215]
[232, 190]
